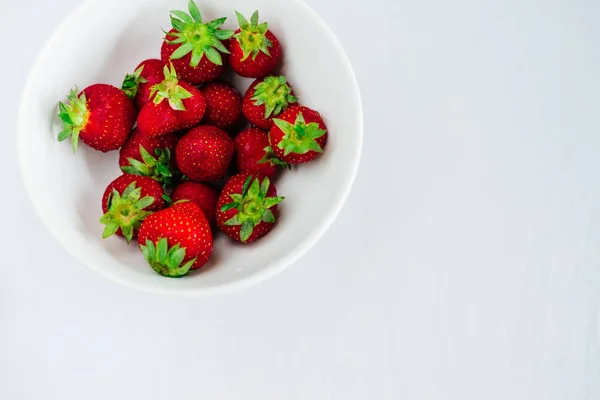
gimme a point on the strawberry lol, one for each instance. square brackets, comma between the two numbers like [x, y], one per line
[176, 240]
[223, 104]
[127, 201]
[204, 153]
[184, 108]
[298, 135]
[149, 156]
[247, 207]
[253, 153]
[257, 41]
[101, 115]
[267, 98]
[203, 195]
[195, 48]
[137, 86]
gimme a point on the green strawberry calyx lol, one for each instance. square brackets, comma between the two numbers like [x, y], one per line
[275, 94]
[170, 90]
[126, 211]
[198, 38]
[252, 206]
[252, 36]
[132, 82]
[299, 138]
[156, 167]
[166, 261]
[272, 159]
[74, 116]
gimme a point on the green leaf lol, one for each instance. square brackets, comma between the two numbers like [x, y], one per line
[182, 15]
[264, 187]
[146, 253]
[283, 125]
[242, 21]
[246, 184]
[162, 249]
[216, 43]
[254, 18]
[167, 198]
[186, 268]
[254, 189]
[314, 146]
[176, 257]
[139, 167]
[229, 206]
[147, 157]
[236, 197]
[217, 23]
[268, 217]
[194, 11]
[196, 57]
[234, 221]
[181, 51]
[176, 104]
[151, 248]
[246, 231]
[177, 24]
[213, 55]
[127, 232]
[64, 135]
[163, 170]
[110, 230]
[145, 202]
[222, 34]
[272, 201]
[129, 190]
[289, 148]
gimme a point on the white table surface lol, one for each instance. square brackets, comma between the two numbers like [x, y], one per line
[465, 264]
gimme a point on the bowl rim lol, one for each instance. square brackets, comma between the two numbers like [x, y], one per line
[265, 273]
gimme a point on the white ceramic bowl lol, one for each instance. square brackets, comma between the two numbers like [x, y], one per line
[103, 40]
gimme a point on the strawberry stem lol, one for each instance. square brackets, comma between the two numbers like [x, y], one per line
[126, 211]
[252, 205]
[299, 138]
[74, 116]
[196, 37]
[275, 93]
[252, 37]
[166, 261]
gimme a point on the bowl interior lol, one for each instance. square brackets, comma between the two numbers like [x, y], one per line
[107, 39]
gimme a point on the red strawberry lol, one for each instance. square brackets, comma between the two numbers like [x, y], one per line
[258, 41]
[176, 240]
[184, 107]
[127, 201]
[102, 115]
[203, 195]
[253, 153]
[247, 207]
[267, 98]
[149, 156]
[298, 135]
[138, 85]
[223, 104]
[195, 48]
[204, 153]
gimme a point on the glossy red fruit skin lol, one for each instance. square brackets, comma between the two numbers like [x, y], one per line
[250, 149]
[206, 71]
[290, 115]
[111, 118]
[203, 195]
[149, 188]
[131, 148]
[153, 73]
[223, 104]
[182, 223]
[160, 119]
[260, 67]
[204, 154]
[235, 185]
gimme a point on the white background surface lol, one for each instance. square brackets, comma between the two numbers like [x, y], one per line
[464, 266]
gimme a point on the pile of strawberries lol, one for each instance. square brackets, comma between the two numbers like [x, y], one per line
[173, 121]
